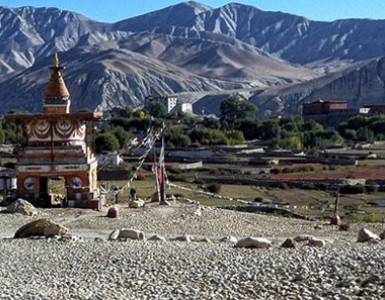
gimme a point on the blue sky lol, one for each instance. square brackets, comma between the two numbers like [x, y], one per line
[115, 10]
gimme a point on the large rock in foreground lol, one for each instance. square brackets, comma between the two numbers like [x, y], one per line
[22, 207]
[365, 235]
[41, 227]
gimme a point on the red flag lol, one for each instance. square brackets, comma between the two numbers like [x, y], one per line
[161, 161]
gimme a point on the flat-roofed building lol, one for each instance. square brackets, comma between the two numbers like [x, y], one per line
[321, 107]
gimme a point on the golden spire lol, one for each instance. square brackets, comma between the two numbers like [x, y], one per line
[56, 60]
[56, 88]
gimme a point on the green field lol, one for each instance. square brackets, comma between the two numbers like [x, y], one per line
[315, 203]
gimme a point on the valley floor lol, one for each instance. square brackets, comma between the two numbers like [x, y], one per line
[91, 267]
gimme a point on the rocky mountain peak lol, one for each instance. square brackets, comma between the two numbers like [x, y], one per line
[188, 47]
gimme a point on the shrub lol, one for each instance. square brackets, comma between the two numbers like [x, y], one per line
[356, 218]
[323, 186]
[174, 171]
[308, 186]
[371, 218]
[275, 171]
[177, 177]
[353, 189]
[198, 181]
[283, 185]
[213, 188]
[140, 177]
[371, 186]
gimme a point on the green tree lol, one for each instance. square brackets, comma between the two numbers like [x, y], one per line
[250, 127]
[175, 137]
[157, 110]
[270, 129]
[122, 135]
[350, 134]
[291, 123]
[106, 142]
[234, 137]
[211, 123]
[234, 109]
[312, 125]
[206, 136]
[365, 134]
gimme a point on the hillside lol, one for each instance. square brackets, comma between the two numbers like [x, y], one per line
[277, 60]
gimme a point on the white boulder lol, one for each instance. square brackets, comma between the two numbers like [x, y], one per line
[136, 203]
[365, 235]
[131, 234]
[252, 242]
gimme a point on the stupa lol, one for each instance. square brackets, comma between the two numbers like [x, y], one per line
[60, 144]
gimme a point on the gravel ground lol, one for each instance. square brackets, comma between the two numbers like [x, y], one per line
[93, 268]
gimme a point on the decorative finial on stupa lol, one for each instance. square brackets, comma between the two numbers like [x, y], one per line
[56, 95]
[56, 60]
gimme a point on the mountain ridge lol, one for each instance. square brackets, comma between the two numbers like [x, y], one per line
[187, 47]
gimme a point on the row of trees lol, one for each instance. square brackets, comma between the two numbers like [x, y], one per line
[182, 130]
[364, 128]
[236, 124]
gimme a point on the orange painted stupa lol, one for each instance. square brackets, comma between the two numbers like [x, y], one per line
[56, 95]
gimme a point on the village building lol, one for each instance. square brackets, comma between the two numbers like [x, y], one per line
[374, 108]
[323, 107]
[169, 102]
[60, 144]
[332, 113]
[327, 113]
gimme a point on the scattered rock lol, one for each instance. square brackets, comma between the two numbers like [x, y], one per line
[229, 239]
[335, 220]
[157, 238]
[288, 243]
[183, 238]
[382, 235]
[203, 240]
[113, 212]
[22, 207]
[114, 235]
[252, 242]
[316, 243]
[136, 203]
[365, 235]
[303, 238]
[41, 227]
[198, 212]
[68, 238]
[131, 234]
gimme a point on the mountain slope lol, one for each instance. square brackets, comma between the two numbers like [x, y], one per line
[190, 48]
[292, 38]
[360, 84]
[27, 33]
[107, 79]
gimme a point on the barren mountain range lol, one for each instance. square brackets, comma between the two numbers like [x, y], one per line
[202, 54]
